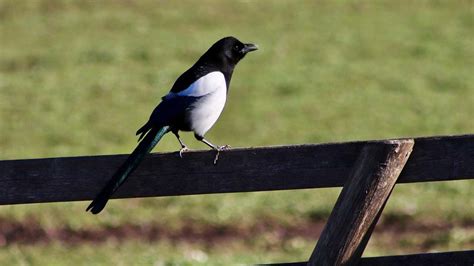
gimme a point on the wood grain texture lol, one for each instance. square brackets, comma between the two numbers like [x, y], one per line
[238, 170]
[360, 203]
[453, 258]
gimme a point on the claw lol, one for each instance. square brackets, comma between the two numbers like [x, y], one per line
[219, 149]
[183, 150]
[225, 147]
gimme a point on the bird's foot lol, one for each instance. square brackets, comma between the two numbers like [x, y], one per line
[219, 149]
[183, 150]
[225, 147]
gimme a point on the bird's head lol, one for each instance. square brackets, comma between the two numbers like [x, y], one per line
[230, 50]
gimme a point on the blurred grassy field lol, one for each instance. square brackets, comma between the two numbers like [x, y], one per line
[79, 77]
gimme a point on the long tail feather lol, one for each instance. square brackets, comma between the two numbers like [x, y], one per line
[144, 147]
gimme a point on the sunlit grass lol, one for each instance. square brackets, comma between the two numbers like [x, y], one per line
[79, 77]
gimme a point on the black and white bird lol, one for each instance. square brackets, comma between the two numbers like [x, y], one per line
[194, 103]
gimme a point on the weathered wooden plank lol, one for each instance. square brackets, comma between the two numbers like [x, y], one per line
[238, 170]
[361, 201]
[454, 258]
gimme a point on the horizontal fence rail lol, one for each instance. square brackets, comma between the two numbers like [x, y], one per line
[238, 170]
[425, 259]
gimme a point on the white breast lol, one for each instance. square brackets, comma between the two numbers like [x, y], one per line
[212, 90]
[206, 84]
[204, 113]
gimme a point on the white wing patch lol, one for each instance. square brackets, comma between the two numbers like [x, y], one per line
[205, 85]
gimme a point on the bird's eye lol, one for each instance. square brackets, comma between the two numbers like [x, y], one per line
[236, 47]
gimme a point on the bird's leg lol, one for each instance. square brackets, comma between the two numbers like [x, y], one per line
[184, 148]
[215, 147]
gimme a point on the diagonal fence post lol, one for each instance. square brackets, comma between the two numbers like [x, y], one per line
[361, 202]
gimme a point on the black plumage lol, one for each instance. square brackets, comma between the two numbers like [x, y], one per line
[194, 103]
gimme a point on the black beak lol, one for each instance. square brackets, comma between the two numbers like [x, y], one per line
[249, 47]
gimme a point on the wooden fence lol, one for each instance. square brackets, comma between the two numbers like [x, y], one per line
[367, 171]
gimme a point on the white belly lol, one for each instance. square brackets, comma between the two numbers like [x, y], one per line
[211, 92]
[204, 113]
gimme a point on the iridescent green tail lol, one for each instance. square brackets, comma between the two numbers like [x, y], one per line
[144, 147]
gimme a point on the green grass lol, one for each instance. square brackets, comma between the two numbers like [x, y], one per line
[79, 77]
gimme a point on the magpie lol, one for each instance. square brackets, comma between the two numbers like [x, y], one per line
[194, 103]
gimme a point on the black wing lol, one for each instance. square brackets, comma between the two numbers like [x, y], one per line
[168, 112]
